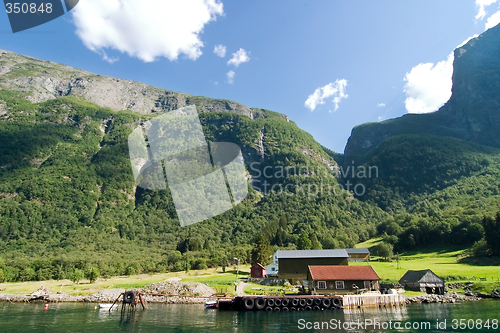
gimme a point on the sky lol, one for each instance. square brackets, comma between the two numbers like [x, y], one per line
[329, 65]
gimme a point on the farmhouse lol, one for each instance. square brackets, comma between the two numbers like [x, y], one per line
[294, 265]
[272, 269]
[341, 279]
[425, 281]
[358, 255]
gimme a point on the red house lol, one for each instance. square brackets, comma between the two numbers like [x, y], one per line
[258, 271]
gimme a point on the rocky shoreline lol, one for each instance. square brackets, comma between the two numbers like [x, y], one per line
[197, 293]
[110, 295]
[446, 298]
[97, 298]
[163, 292]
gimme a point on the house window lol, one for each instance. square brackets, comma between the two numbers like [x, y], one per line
[367, 285]
[321, 284]
[339, 285]
[273, 269]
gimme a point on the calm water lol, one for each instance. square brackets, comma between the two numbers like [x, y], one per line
[194, 318]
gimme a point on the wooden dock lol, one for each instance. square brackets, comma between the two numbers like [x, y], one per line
[372, 300]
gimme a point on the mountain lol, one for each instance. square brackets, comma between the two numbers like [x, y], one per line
[68, 199]
[438, 173]
[471, 114]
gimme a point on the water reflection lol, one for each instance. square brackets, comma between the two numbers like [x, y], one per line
[194, 319]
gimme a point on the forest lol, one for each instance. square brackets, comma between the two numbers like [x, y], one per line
[69, 206]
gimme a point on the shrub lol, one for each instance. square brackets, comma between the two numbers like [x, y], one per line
[480, 248]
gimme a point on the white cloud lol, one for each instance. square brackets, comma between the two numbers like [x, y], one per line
[105, 57]
[381, 105]
[428, 86]
[380, 118]
[230, 77]
[220, 50]
[336, 89]
[147, 31]
[493, 20]
[482, 4]
[238, 58]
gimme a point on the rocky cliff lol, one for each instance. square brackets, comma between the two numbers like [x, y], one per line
[472, 113]
[41, 80]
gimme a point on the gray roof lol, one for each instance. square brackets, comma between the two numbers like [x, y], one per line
[292, 254]
[420, 276]
[358, 251]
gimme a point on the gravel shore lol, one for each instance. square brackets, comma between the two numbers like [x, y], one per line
[447, 298]
[179, 293]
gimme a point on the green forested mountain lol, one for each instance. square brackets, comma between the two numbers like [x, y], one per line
[68, 199]
[439, 172]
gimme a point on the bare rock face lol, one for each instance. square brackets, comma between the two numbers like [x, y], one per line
[43, 80]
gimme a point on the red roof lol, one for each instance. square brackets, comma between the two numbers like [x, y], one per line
[259, 265]
[343, 273]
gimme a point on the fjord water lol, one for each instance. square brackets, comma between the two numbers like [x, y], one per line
[194, 318]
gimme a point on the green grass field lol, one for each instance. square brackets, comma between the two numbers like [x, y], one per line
[212, 277]
[449, 263]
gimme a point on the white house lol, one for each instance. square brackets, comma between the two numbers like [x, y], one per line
[272, 269]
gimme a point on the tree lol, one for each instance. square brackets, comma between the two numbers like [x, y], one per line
[92, 274]
[384, 250]
[304, 243]
[261, 250]
[27, 274]
[315, 244]
[76, 276]
[492, 233]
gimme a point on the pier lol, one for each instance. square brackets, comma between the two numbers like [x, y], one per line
[307, 303]
[372, 300]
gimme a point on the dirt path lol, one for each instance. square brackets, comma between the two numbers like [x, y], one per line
[241, 289]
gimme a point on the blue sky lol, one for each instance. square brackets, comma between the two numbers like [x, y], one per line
[360, 50]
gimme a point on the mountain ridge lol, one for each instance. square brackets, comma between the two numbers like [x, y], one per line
[41, 80]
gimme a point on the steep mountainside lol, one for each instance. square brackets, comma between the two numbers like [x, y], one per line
[68, 198]
[472, 113]
[439, 172]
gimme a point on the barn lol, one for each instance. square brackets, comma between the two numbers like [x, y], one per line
[294, 264]
[257, 271]
[425, 281]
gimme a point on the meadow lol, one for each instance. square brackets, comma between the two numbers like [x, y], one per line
[452, 264]
[215, 278]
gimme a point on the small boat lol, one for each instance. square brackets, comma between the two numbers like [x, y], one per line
[105, 306]
[211, 305]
